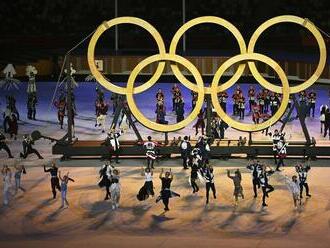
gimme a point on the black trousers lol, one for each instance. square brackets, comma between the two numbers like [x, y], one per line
[208, 187]
[326, 128]
[194, 184]
[280, 163]
[184, 161]
[241, 114]
[30, 151]
[302, 185]
[273, 109]
[55, 183]
[224, 106]
[6, 148]
[251, 103]
[256, 183]
[149, 187]
[265, 190]
[275, 156]
[312, 108]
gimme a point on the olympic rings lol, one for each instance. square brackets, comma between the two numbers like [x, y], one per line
[156, 126]
[308, 25]
[200, 20]
[246, 55]
[244, 126]
[120, 20]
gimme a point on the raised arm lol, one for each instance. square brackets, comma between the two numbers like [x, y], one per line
[161, 174]
[142, 171]
[46, 170]
[171, 174]
[228, 174]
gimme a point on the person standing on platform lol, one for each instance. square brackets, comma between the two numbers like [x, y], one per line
[281, 152]
[312, 102]
[13, 126]
[264, 182]
[179, 109]
[166, 193]
[274, 103]
[256, 113]
[251, 95]
[64, 188]
[241, 106]
[31, 106]
[4, 146]
[160, 113]
[261, 102]
[6, 175]
[222, 97]
[238, 189]
[115, 102]
[275, 137]
[200, 122]
[112, 142]
[176, 92]
[266, 95]
[160, 95]
[256, 169]
[194, 96]
[150, 147]
[302, 171]
[323, 109]
[28, 148]
[61, 106]
[19, 170]
[54, 180]
[185, 148]
[327, 123]
[102, 115]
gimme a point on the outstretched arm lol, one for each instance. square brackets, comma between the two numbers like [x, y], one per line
[228, 174]
[161, 173]
[46, 170]
[171, 174]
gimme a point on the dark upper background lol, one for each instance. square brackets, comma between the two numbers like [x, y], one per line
[34, 27]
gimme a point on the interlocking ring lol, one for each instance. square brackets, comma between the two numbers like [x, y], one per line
[200, 20]
[116, 21]
[244, 126]
[156, 126]
[248, 56]
[300, 21]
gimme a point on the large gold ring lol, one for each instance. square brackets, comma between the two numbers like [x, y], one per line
[320, 41]
[91, 50]
[244, 126]
[200, 20]
[156, 126]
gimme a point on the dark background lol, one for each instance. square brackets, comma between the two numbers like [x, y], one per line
[33, 28]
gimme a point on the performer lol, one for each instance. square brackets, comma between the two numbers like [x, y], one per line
[31, 72]
[11, 103]
[160, 95]
[312, 102]
[4, 146]
[179, 109]
[101, 115]
[195, 164]
[115, 189]
[61, 106]
[6, 175]
[185, 148]
[222, 97]
[251, 95]
[302, 171]
[112, 142]
[255, 113]
[27, 147]
[294, 187]
[238, 189]
[265, 117]
[222, 128]
[303, 97]
[276, 137]
[115, 102]
[235, 98]
[176, 92]
[19, 170]
[264, 182]
[31, 106]
[105, 176]
[327, 123]
[13, 126]
[209, 179]
[64, 188]
[323, 109]
[6, 116]
[215, 126]
[281, 152]
[194, 96]
[266, 95]
[241, 106]
[54, 181]
[256, 169]
[261, 102]
[200, 122]
[160, 113]
[150, 147]
[274, 103]
[204, 148]
[148, 187]
[166, 192]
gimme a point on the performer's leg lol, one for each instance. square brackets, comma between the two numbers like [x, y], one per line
[264, 193]
[307, 189]
[166, 202]
[6, 148]
[208, 186]
[254, 182]
[213, 190]
[53, 185]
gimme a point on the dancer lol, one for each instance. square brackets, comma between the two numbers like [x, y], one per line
[148, 187]
[251, 95]
[54, 181]
[281, 152]
[185, 148]
[115, 189]
[150, 152]
[64, 188]
[326, 123]
[274, 103]
[222, 97]
[105, 176]
[4, 146]
[19, 170]
[27, 147]
[160, 113]
[275, 137]
[256, 169]
[256, 113]
[241, 106]
[179, 109]
[102, 109]
[176, 92]
[264, 182]
[312, 102]
[61, 106]
[160, 95]
[238, 189]
[166, 193]
[194, 97]
[302, 171]
[31, 106]
[13, 126]
[323, 109]
[209, 179]
[6, 174]
[112, 142]
[200, 122]
[294, 187]
[195, 164]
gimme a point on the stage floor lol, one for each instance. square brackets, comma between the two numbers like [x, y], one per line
[33, 219]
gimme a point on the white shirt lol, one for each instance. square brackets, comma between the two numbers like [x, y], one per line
[148, 176]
